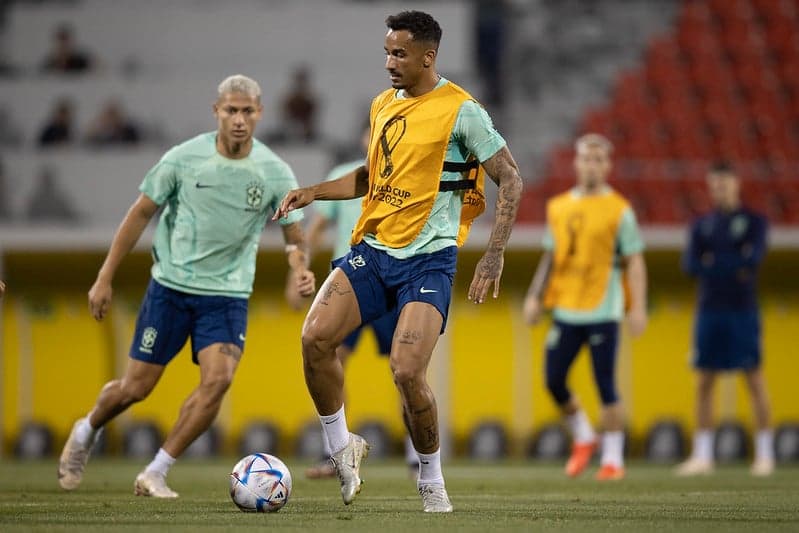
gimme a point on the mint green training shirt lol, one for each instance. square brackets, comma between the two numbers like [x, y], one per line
[214, 211]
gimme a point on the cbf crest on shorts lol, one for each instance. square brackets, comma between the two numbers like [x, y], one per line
[255, 196]
[148, 339]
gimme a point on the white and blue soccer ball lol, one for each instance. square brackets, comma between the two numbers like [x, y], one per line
[260, 483]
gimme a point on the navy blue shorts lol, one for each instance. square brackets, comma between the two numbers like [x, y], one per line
[563, 344]
[383, 283]
[383, 329]
[727, 340]
[167, 318]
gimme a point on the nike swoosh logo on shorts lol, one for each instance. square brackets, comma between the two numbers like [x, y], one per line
[425, 291]
[241, 337]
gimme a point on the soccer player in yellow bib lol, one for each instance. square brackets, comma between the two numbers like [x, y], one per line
[591, 244]
[422, 185]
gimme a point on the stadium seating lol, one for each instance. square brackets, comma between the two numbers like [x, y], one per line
[724, 83]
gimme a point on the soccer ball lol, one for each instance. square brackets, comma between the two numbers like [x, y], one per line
[260, 483]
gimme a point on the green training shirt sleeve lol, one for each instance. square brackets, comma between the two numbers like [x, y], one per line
[160, 181]
[629, 236]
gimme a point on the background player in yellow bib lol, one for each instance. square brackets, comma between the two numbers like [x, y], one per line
[592, 242]
[420, 184]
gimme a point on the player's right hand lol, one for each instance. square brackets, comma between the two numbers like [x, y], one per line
[100, 299]
[294, 200]
[533, 311]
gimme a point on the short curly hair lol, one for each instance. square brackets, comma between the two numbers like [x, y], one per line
[419, 24]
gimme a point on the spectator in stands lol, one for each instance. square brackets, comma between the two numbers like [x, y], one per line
[48, 201]
[725, 250]
[65, 56]
[112, 127]
[58, 128]
[298, 110]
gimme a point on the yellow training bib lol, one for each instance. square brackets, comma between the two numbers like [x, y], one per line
[584, 229]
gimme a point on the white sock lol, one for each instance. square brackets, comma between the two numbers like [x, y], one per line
[335, 428]
[161, 463]
[703, 445]
[580, 428]
[612, 448]
[85, 433]
[764, 445]
[430, 468]
[411, 457]
[325, 445]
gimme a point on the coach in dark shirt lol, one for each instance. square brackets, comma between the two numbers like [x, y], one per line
[724, 253]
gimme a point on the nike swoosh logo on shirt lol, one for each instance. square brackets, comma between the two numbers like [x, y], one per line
[201, 186]
[425, 291]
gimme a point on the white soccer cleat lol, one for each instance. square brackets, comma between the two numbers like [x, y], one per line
[435, 498]
[347, 462]
[73, 460]
[152, 484]
[762, 467]
[694, 467]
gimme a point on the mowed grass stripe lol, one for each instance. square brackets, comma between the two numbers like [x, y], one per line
[514, 496]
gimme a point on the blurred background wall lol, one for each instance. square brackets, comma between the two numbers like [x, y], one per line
[93, 92]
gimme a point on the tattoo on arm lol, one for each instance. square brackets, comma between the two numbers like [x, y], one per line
[504, 171]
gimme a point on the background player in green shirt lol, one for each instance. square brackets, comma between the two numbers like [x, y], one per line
[217, 191]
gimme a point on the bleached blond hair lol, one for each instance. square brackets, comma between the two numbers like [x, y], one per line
[239, 83]
[594, 139]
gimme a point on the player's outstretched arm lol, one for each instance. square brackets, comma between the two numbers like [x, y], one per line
[636, 276]
[297, 256]
[533, 308]
[351, 185]
[502, 168]
[125, 239]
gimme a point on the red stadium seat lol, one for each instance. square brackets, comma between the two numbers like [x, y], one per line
[723, 84]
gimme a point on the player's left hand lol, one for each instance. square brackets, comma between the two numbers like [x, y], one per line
[637, 320]
[306, 282]
[487, 273]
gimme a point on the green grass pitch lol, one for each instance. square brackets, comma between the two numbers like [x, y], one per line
[512, 496]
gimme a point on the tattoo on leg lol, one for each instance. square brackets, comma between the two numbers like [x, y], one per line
[408, 336]
[231, 350]
[330, 290]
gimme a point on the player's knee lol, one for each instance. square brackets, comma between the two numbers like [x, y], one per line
[559, 392]
[406, 376]
[607, 389]
[134, 391]
[215, 386]
[556, 385]
[315, 341]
